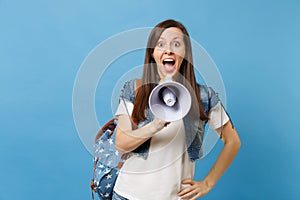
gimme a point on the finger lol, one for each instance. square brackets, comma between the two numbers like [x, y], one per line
[187, 181]
[159, 124]
[196, 197]
[184, 191]
[189, 194]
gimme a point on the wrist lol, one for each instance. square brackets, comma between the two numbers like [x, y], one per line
[210, 183]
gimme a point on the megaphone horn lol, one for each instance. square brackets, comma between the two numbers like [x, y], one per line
[170, 100]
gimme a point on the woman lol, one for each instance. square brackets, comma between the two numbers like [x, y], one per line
[162, 155]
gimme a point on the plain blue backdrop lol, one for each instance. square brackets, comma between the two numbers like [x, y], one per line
[255, 45]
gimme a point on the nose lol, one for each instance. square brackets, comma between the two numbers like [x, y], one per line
[168, 50]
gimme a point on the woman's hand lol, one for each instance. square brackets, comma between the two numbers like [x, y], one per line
[195, 190]
[159, 124]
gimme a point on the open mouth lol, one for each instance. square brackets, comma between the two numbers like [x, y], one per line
[169, 65]
[169, 62]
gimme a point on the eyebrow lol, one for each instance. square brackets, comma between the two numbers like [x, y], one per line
[177, 37]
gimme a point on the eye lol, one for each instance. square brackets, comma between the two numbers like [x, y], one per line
[176, 44]
[160, 44]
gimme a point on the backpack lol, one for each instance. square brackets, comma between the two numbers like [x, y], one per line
[107, 159]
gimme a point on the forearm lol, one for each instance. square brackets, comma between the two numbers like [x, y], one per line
[224, 160]
[231, 147]
[127, 139]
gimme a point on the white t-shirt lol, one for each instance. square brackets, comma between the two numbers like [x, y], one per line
[159, 176]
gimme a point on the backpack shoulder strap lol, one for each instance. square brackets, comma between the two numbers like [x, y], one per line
[109, 125]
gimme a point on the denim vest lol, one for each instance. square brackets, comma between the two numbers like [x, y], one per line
[194, 127]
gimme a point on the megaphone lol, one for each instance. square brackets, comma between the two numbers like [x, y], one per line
[170, 100]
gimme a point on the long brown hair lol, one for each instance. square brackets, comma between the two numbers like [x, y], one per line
[150, 74]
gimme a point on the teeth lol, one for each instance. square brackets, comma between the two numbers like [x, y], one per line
[168, 59]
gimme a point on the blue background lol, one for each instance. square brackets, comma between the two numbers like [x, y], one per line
[255, 45]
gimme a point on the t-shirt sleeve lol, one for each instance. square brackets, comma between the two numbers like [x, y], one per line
[126, 99]
[217, 116]
[124, 107]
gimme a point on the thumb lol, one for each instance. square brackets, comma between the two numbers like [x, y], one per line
[187, 181]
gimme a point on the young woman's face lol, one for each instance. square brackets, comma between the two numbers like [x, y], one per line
[169, 52]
